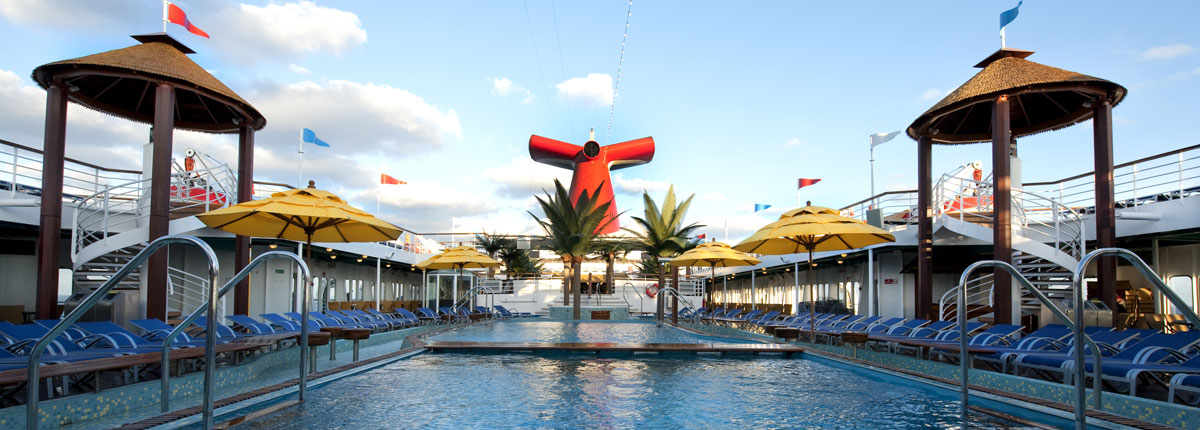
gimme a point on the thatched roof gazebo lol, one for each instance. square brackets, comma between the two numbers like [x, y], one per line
[1013, 97]
[153, 83]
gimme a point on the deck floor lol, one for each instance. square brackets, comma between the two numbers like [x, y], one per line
[609, 348]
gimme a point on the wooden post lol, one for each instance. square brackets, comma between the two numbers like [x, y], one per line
[160, 199]
[1106, 212]
[924, 287]
[245, 191]
[1002, 208]
[50, 224]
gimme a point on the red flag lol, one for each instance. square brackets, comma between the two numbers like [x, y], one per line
[388, 180]
[702, 236]
[804, 182]
[175, 15]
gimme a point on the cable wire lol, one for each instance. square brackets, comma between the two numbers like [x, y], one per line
[561, 67]
[620, 63]
[538, 56]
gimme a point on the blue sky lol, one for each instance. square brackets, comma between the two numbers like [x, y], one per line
[741, 99]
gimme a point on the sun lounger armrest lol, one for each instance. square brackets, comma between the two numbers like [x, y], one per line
[1159, 355]
[93, 340]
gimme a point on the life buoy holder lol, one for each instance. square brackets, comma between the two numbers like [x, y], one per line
[652, 290]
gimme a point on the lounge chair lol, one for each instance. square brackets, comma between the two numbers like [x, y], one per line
[250, 325]
[1054, 337]
[1184, 387]
[1048, 364]
[127, 339]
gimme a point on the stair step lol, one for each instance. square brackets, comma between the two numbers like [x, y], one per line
[1050, 282]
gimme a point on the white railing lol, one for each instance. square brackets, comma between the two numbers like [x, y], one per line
[186, 292]
[979, 293]
[1034, 216]
[124, 207]
[21, 171]
[1168, 176]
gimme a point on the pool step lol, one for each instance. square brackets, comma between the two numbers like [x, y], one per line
[618, 349]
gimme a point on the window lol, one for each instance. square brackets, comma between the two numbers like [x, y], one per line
[65, 279]
[1182, 286]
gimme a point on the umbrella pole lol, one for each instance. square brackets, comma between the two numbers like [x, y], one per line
[304, 322]
[812, 301]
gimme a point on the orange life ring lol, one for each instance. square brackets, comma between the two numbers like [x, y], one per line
[652, 290]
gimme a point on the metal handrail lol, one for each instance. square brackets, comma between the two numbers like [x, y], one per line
[639, 294]
[1147, 272]
[1075, 325]
[210, 353]
[662, 294]
[35, 354]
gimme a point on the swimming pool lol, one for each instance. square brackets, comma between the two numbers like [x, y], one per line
[529, 391]
[572, 332]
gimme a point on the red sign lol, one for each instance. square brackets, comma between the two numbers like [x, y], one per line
[889, 281]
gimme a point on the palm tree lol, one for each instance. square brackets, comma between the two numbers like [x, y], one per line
[609, 251]
[571, 228]
[662, 232]
[491, 244]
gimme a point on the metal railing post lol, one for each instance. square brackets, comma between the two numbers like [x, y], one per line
[210, 336]
[13, 185]
[1076, 325]
[35, 354]
[1180, 175]
[1135, 186]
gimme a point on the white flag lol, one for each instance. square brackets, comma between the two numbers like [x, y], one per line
[881, 138]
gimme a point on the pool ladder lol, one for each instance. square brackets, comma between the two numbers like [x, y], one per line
[1076, 326]
[32, 418]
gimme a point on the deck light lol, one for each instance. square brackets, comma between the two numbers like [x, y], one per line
[328, 249]
[273, 246]
[360, 260]
[840, 261]
[333, 257]
[389, 265]
[365, 255]
[843, 255]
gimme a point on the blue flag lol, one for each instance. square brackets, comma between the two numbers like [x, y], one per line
[760, 206]
[308, 136]
[1008, 16]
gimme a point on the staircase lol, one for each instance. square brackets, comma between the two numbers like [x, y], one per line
[93, 273]
[110, 227]
[1047, 241]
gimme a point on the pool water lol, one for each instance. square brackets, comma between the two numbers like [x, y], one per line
[525, 391]
[573, 332]
[506, 390]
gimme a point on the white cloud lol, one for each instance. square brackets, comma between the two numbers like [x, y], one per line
[595, 89]
[299, 70]
[797, 144]
[250, 33]
[82, 16]
[931, 94]
[1166, 52]
[636, 186]
[523, 177]
[503, 87]
[245, 33]
[354, 118]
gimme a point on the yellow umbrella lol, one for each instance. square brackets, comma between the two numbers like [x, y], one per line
[459, 257]
[813, 228]
[302, 215]
[714, 254]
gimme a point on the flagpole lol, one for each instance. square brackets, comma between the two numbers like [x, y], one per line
[166, 4]
[871, 140]
[1001, 37]
[300, 173]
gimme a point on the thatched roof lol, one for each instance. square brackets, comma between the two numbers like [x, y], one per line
[1041, 98]
[122, 82]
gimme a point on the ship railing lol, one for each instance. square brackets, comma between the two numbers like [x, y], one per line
[21, 172]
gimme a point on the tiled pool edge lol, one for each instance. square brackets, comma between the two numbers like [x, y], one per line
[1137, 408]
[82, 407]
